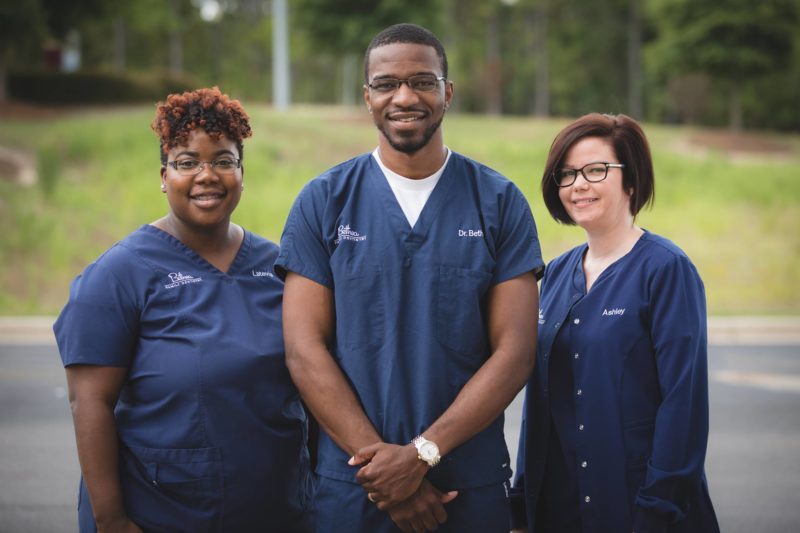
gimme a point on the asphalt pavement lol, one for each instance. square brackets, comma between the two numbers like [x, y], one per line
[752, 463]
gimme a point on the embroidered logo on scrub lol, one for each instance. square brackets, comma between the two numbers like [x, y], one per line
[541, 316]
[344, 233]
[614, 312]
[470, 233]
[262, 274]
[177, 279]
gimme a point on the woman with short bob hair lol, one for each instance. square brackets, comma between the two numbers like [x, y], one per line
[616, 413]
[630, 145]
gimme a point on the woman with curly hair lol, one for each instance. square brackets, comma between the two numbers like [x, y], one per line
[185, 416]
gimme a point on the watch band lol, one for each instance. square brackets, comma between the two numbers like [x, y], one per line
[427, 451]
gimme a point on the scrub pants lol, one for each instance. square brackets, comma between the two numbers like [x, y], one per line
[342, 507]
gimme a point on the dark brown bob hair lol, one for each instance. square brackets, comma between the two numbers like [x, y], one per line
[630, 145]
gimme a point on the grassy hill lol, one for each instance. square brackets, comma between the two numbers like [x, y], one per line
[731, 201]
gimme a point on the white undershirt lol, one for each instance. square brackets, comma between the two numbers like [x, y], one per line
[411, 194]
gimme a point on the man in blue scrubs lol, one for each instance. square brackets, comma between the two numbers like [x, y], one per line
[410, 311]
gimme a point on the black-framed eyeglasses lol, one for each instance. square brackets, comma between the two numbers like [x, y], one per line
[422, 83]
[593, 173]
[192, 167]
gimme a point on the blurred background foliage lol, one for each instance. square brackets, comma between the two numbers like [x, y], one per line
[79, 170]
[709, 62]
[734, 208]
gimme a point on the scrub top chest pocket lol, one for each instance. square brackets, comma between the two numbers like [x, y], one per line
[360, 312]
[460, 324]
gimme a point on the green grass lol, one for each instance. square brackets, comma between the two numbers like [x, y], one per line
[737, 218]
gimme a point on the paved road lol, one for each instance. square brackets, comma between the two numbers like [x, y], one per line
[753, 461]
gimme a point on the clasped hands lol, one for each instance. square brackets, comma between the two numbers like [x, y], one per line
[394, 479]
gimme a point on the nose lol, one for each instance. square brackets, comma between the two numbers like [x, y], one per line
[580, 180]
[206, 173]
[404, 95]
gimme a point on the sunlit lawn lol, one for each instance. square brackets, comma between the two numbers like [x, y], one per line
[736, 215]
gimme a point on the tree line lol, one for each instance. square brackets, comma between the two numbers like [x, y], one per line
[711, 62]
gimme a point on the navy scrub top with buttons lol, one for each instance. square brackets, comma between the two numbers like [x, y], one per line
[211, 428]
[621, 375]
[411, 303]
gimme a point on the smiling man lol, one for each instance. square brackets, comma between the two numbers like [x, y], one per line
[410, 311]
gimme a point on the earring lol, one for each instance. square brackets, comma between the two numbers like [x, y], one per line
[242, 186]
[163, 188]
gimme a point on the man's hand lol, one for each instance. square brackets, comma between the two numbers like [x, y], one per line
[393, 473]
[423, 511]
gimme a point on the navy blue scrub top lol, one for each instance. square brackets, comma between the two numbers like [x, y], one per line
[411, 302]
[621, 374]
[558, 510]
[211, 428]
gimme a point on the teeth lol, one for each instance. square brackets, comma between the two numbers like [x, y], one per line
[405, 118]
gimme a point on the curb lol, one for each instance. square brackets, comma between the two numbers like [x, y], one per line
[27, 330]
[754, 330]
[733, 330]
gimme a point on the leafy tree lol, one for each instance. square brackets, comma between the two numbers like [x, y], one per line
[736, 42]
[22, 26]
[342, 29]
[61, 16]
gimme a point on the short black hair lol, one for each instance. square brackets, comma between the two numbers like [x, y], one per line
[630, 146]
[206, 109]
[409, 34]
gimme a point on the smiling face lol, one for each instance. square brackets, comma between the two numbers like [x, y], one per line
[597, 206]
[409, 120]
[206, 200]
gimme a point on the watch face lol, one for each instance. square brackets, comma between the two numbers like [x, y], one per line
[428, 451]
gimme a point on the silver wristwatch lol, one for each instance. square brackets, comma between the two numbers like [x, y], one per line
[427, 450]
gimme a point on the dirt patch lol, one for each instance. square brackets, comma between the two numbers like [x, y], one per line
[23, 111]
[733, 142]
[18, 166]
[738, 147]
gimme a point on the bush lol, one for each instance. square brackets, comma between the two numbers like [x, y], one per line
[47, 87]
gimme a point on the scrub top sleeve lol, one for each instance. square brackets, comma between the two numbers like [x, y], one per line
[678, 333]
[518, 248]
[303, 249]
[99, 324]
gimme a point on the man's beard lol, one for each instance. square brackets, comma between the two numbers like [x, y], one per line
[409, 146]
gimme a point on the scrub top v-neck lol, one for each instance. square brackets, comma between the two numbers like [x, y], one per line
[211, 428]
[410, 302]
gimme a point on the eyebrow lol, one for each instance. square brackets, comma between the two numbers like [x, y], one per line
[197, 154]
[384, 76]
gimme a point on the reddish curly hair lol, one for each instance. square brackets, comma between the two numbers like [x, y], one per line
[208, 109]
